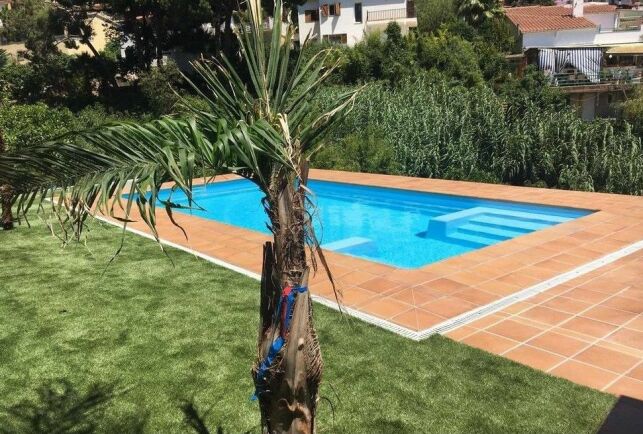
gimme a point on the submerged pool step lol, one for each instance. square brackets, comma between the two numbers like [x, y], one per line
[487, 231]
[472, 240]
[508, 224]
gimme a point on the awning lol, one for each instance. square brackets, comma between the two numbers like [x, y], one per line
[585, 60]
[626, 49]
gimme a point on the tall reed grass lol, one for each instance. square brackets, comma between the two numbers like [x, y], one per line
[449, 132]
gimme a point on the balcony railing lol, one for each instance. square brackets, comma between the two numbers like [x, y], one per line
[613, 77]
[391, 14]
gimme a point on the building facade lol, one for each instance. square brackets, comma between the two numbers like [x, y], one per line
[347, 22]
[592, 51]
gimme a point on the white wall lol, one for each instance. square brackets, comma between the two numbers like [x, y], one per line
[345, 22]
[604, 21]
[562, 38]
[615, 38]
[579, 37]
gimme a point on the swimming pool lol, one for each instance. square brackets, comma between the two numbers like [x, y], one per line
[401, 228]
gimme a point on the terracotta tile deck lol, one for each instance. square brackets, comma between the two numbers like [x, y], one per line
[589, 311]
[594, 340]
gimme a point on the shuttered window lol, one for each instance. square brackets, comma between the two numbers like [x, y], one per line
[358, 12]
[311, 15]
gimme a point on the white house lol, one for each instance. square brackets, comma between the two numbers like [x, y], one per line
[583, 24]
[591, 51]
[347, 22]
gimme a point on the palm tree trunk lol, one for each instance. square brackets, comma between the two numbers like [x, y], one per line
[6, 216]
[287, 391]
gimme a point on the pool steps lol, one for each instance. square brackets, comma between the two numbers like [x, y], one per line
[484, 226]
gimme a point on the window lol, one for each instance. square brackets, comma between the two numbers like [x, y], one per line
[311, 15]
[334, 9]
[358, 12]
[341, 38]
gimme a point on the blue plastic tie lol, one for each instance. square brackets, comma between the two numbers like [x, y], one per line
[279, 341]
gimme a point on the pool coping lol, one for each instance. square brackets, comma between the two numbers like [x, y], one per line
[408, 302]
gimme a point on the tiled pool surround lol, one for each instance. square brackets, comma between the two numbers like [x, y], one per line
[413, 301]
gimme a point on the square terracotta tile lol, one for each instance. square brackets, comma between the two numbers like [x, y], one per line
[608, 359]
[586, 295]
[565, 304]
[637, 372]
[475, 296]
[354, 296]
[417, 319]
[416, 296]
[384, 308]
[356, 277]
[589, 327]
[533, 357]
[558, 343]
[625, 303]
[627, 387]
[514, 330]
[609, 315]
[486, 321]
[518, 307]
[628, 337]
[444, 286]
[461, 333]
[545, 315]
[379, 285]
[586, 375]
[636, 323]
[605, 285]
[448, 306]
[489, 342]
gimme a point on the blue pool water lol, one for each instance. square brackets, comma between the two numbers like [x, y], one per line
[402, 228]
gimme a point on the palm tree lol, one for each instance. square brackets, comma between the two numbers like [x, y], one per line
[264, 131]
[476, 11]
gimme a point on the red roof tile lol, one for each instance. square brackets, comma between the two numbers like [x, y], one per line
[552, 18]
[599, 8]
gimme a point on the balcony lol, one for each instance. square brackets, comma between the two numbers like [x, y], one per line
[608, 79]
[391, 14]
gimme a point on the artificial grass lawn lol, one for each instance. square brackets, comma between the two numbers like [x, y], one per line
[161, 335]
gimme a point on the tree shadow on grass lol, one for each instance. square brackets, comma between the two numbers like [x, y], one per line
[194, 419]
[62, 409]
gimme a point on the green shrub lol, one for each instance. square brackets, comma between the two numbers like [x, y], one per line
[25, 125]
[367, 151]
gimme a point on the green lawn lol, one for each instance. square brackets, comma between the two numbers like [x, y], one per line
[160, 334]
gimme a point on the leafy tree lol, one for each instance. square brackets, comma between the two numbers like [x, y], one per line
[159, 88]
[156, 25]
[431, 14]
[477, 11]
[22, 20]
[263, 131]
[20, 127]
[450, 54]
[27, 125]
[399, 61]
